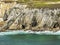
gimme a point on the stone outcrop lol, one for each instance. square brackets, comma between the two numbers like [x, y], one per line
[5, 6]
[21, 17]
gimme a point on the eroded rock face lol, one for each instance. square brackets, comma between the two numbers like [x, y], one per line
[32, 19]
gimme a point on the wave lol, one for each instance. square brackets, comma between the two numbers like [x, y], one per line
[30, 32]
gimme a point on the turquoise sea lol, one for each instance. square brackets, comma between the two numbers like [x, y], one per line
[29, 39]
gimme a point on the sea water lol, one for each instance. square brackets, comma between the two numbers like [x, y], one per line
[29, 39]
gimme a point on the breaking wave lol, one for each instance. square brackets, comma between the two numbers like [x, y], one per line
[30, 32]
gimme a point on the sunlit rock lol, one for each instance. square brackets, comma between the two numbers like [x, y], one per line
[21, 17]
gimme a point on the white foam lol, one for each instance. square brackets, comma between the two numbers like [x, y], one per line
[30, 32]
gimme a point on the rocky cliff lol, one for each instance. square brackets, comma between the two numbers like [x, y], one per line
[21, 17]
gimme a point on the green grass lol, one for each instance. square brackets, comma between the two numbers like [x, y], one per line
[38, 0]
[38, 3]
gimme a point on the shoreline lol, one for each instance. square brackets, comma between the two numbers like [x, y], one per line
[29, 32]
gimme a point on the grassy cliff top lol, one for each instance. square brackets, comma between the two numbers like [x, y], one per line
[41, 3]
[39, 0]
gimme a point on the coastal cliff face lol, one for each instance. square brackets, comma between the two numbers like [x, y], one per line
[21, 17]
[4, 5]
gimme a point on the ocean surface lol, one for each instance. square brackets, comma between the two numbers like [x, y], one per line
[29, 39]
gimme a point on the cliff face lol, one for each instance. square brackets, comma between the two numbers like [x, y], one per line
[5, 6]
[20, 17]
[17, 16]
